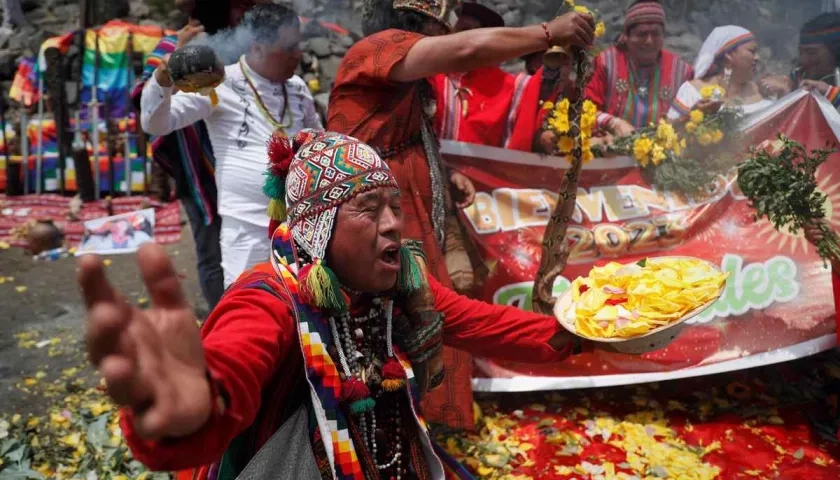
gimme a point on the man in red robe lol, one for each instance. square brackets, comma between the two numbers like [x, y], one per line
[636, 80]
[380, 96]
[304, 353]
[473, 106]
[549, 84]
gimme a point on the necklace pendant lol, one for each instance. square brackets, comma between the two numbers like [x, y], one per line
[643, 92]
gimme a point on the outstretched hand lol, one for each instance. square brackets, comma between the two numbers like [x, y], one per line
[152, 360]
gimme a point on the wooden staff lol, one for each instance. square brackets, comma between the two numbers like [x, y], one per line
[555, 251]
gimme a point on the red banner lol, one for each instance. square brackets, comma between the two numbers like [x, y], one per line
[778, 303]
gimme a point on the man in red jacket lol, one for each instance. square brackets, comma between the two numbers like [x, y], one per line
[473, 107]
[343, 326]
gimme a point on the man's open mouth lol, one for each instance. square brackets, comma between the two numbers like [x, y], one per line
[391, 255]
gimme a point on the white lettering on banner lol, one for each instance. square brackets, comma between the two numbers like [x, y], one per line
[752, 287]
[510, 209]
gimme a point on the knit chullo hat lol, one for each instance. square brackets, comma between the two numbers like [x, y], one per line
[436, 9]
[308, 179]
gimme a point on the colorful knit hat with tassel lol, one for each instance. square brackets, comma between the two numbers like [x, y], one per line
[308, 179]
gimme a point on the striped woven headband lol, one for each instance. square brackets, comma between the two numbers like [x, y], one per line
[826, 36]
[733, 44]
[647, 12]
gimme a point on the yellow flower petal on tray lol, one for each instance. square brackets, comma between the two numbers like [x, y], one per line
[617, 301]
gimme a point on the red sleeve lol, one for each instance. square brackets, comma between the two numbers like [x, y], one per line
[245, 337]
[437, 84]
[526, 125]
[495, 331]
[369, 62]
[596, 89]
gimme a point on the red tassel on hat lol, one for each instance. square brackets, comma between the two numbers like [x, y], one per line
[305, 294]
[392, 370]
[353, 390]
[280, 155]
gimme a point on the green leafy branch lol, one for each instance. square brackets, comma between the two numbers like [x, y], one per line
[782, 186]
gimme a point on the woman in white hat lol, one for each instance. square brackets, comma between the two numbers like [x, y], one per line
[728, 59]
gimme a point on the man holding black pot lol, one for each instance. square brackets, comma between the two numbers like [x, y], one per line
[259, 96]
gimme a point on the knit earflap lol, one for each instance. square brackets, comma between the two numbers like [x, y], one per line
[280, 155]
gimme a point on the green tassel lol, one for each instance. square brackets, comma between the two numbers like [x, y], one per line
[274, 187]
[335, 299]
[416, 248]
[323, 288]
[277, 209]
[362, 406]
[411, 275]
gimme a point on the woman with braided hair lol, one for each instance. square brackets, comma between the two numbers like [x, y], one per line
[315, 359]
[381, 97]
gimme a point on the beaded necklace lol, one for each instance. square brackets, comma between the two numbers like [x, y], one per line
[375, 379]
[285, 116]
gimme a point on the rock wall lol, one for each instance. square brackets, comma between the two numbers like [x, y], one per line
[775, 22]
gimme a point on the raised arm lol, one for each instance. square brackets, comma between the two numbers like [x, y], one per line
[482, 47]
[163, 112]
[495, 331]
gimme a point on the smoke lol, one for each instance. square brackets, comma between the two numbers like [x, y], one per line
[229, 44]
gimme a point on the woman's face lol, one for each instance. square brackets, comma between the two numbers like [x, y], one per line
[744, 61]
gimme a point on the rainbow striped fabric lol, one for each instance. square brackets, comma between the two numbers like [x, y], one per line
[113, 79]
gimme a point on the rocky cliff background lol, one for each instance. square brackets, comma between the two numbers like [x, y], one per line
[775, 22]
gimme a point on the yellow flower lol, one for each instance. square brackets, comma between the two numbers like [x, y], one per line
[548, 105]
[665, 133]
[690, 127]
[697, 116]
[314, 85]
[565, 144]
[589, 107]
[600, 29]
[587, 155]
[563, 106]
[641, 148]
[717, 136]
[570, 3]
[709, 91]
[559, 124]
[705, 139]
[658, 154]
[582, 10]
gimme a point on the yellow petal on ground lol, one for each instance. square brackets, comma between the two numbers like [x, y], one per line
[4, 246]
[21, 288]
[71, 440]
[58, 419]
[107, 262]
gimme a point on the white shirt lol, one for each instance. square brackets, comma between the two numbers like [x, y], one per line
[688, 96]
[238, 132]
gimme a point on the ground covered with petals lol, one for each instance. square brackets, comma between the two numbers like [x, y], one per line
[773, 422]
